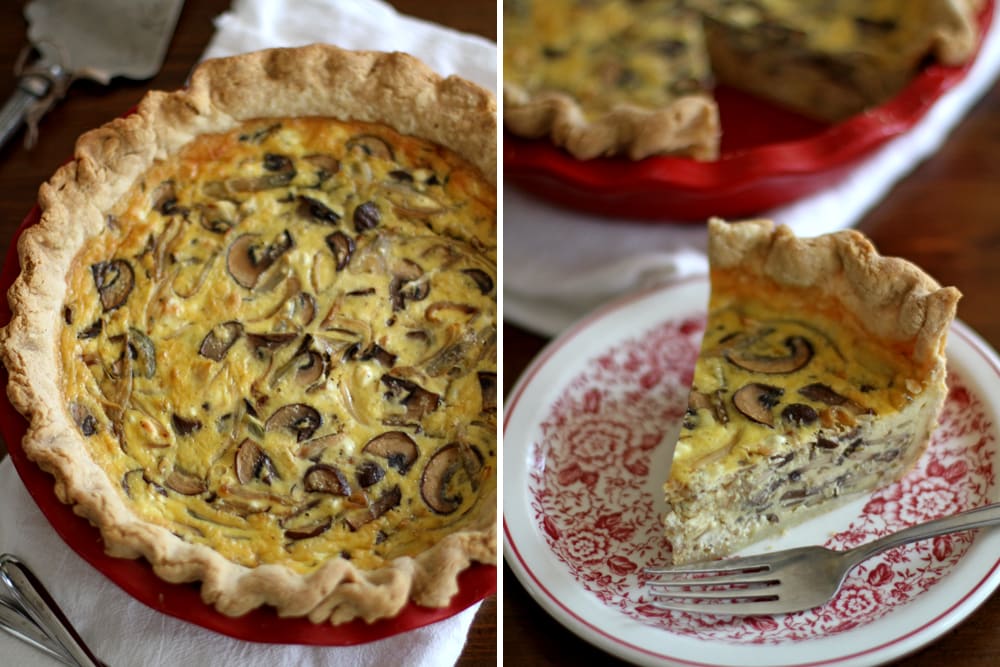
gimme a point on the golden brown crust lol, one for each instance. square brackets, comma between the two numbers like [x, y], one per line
[891, 297]
[392, 89]
[688, 126]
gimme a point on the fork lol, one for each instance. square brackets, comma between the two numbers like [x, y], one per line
[789, 580]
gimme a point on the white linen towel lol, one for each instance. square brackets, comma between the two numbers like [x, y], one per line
[124, 632]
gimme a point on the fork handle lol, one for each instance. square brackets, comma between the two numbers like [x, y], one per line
[980, 517]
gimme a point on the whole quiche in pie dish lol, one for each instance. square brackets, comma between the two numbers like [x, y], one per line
[255, 333]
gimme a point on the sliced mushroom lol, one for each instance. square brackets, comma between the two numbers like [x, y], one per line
[488, 390]
[409, 202]
[92, 331]
[247, 260]
[823, 394]
[369, 473]
[755, 400]
[317, 211]
[276, 162]
[342, 247]
[185, 483]
[252, 463]
[324, 478]
[142, 352]
[800, 351]
[799, 414]
[435, 482]
[266, 342]
[398, 448]
[114, 280]
[482, 279]
[304, 307]
[184, 427]
[370, 145]
[712, 402]
[327, 165]
[418, 401]
[307, 532]
[389, 499]
[165, 199]
[376, 352]
[297, 418]
[366, 216]
[407, 284]
[84, 420]
[217, 342]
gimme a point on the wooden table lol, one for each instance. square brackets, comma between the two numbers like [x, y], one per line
[89, 105]
[945, 216]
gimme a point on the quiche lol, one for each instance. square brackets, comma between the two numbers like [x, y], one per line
[604, 77]
[255, 333]
[820, 377]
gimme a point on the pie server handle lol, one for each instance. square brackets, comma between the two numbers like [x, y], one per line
[37, 90]
[43, 610]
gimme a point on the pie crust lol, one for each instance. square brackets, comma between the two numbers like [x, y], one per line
[820, 377]
[276, 98]
[614, 77]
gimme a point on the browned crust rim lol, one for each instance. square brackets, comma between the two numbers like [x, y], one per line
[893, 298]
[389, 88]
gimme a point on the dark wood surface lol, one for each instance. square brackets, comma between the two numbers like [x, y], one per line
[88, 105]
[945, 216]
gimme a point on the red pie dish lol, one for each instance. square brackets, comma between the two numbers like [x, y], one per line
[183, 601]
[769, 156]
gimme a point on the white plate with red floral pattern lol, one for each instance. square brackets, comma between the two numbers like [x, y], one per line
[588, 434]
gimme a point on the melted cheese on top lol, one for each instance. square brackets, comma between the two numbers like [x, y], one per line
[295, 290]
[747, 342]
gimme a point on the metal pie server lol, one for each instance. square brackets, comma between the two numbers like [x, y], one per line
[78, 39]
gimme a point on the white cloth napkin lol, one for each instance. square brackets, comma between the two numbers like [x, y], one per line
[124, 632]
[560, 263]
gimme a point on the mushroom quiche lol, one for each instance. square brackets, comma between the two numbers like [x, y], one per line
[255, 332]
[605, 77]
[820, 377]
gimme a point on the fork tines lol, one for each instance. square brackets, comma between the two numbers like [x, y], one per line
[713, 587]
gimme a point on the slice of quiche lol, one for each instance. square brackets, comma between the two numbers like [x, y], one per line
[820, 377]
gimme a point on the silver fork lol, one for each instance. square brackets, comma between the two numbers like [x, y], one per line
[789, 580]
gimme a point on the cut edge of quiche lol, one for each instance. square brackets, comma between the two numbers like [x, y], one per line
[742, 47]
[820, 377]
[391, 89]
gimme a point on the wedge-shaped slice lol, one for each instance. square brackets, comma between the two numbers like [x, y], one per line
[820, 377]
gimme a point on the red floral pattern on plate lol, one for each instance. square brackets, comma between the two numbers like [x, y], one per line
[595, 492]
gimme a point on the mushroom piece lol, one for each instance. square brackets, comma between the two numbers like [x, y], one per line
[418, 401]
[386, 501]
[92, 331]
[369, 473]
[185, 483]
[304, 307]
[406, 285]
[326, 165]
[823, 394]
[306, 532]
[247, 260]
[84, 420]
[482, 279]
[266, 342]
[165, 199]
[317, 211]
[342, 247]
[800, 351]
[184, 427]
[217, 342]
[379, 354]
[488, 389]
[755, 401]
[712, 402]
[114, 280]
[435, 482]
[370, 145]
[142, 351]
[398, 448]
[297, 418]
[799, 414]
[324, 478]
[252, 463]
[366, 216]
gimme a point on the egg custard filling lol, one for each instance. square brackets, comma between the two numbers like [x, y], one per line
[285, 345]
[604, 77]
[255, 333]
[820, 377]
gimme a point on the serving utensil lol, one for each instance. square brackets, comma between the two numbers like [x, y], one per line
[28, 612]
[791, 580]
[70, 40]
